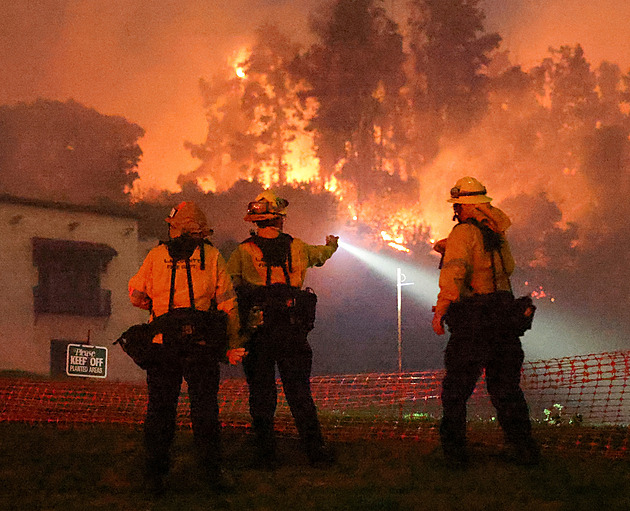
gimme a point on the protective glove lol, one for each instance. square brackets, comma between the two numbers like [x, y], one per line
[140, 299]
[439, 311]
[440, 246]
[235, 355]
[332, 241]
[438, 323]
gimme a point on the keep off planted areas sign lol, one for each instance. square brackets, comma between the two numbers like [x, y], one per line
[86, 360]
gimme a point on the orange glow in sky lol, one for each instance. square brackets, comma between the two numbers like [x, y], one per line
[123, 59]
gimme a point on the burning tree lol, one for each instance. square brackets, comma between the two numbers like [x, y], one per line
[228, 152]
[270, 101]
[355, 73]
[389, 132]
[256, 124]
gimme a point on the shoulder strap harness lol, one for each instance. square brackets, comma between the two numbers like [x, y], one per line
[492, 243]
[182, 248]
[276, 252]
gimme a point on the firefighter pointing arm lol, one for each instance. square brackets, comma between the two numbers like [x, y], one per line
[268, 270]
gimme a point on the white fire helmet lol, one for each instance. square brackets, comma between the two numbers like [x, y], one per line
[468, 190]
[267, 205]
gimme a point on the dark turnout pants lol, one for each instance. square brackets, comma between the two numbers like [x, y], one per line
[201, 370]
[483, 342]
[287, 347]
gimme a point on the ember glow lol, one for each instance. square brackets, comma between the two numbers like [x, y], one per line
[539, 293]
[395, 243]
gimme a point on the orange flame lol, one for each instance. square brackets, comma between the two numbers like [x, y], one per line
[539, 293]
[395, 243]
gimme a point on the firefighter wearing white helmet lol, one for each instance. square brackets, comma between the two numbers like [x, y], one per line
[268, 271]
[475, 301]
[185, 285]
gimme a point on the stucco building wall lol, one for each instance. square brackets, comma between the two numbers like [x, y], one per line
[26, 335]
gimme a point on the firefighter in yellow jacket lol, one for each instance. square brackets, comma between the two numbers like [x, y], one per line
[474, 301]
[176, 281]
[268, 272]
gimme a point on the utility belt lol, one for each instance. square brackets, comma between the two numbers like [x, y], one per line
[182, 330]
[499, 310]
[183, 327]
[262, 307]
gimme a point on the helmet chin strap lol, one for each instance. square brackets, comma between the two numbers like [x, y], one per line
[457, 209]
[275, 223]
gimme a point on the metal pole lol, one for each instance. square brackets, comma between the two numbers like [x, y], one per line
[399, 280]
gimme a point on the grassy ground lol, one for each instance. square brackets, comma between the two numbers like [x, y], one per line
[99, 468]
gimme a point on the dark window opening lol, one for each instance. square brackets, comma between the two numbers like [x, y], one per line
[70, 277]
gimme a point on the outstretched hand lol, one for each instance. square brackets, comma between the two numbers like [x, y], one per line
[438, 323]
[332, 241]
[235, 355]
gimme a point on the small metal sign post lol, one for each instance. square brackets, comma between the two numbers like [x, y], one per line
[400, 282]
[86, 360]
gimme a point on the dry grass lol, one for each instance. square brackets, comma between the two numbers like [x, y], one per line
[99, 468]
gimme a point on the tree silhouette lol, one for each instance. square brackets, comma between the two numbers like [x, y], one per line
[355, 72]
[450, 52]
[66, 151]
[253, 118]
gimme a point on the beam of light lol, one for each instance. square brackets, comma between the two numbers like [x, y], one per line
[557, 331]
[561, 332]
[425, 288]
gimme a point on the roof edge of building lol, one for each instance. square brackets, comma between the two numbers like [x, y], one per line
[113, 210]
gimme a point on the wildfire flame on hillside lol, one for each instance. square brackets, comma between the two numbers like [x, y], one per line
[398, 205]
[396, 223]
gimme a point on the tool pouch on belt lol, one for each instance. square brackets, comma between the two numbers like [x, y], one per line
[137, 342]
[278, 304]
[499, 308]
[463, 314]
[183, 328]
[522, 314]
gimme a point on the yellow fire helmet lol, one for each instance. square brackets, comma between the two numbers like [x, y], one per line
[266, 205]
[187, 217]
[468, 190]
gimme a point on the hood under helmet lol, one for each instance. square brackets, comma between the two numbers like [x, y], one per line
[187, 218]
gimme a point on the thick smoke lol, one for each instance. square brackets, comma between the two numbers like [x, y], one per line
[529, 28]
[143, 59]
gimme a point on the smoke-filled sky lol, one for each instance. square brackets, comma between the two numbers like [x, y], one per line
[142, 59]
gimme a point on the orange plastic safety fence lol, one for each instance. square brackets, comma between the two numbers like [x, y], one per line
[575, 402]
